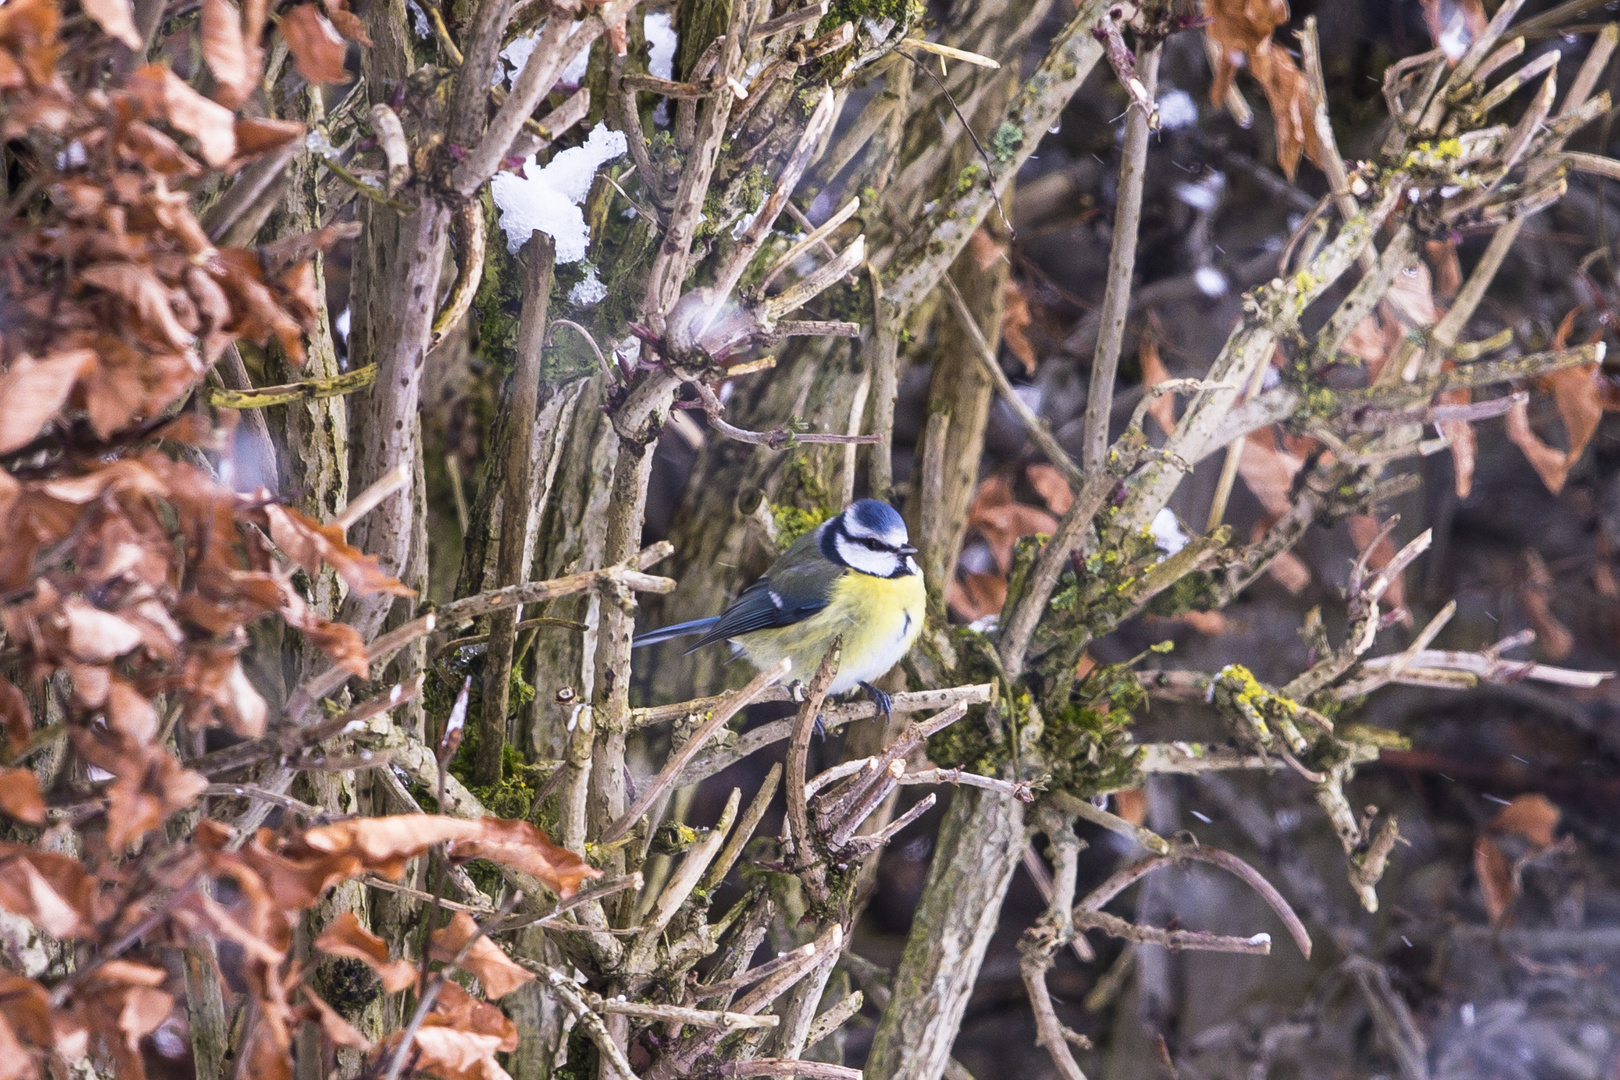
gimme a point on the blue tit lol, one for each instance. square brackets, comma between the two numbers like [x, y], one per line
[853, 575]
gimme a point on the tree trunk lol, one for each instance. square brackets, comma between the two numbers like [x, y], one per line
[980, 844]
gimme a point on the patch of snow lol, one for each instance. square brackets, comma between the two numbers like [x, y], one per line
[316, 142]
[589, 291]
[549, 199]
[659, 26]
[1167, 534]
[517, 55]
[419, 20]
[574, 72]
[1177, 109]
[1455, 38]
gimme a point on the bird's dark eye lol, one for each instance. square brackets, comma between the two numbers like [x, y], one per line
[875, 545]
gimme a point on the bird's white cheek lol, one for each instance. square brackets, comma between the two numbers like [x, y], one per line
[911, 565]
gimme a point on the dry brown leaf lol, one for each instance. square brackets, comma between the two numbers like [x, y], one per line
[386, 844]
[1053, 489]
[143, 796]
[226, 51]
[51, 890]
[1239, 28]
[1363, 529]
[1002, 521]
[523, 847]
[1241, 31]
[1411, 297]
[1131, 804]
[117, 19]
[1291, 110]
[458, 1009]
[346, 937]
[210, 123]
[1495, 873]
[1533, 817]
[35, 391]
[15, 716]
[973, 596]
[145, 293]
[1015, 320]
[1268, 472]
[1550, 464]
[1215, 623]
[16, 1063]
[294, 874]
[26, 1006]
[1291, 572]
[20, 797]
[316, 45]
[1464, 444]
[1552, 636]
[1163, 408]
[349, 25]
[1530, 817]
[1442, 256]
[96, 636]
[309, 543]
[1577, 394]
[338, 1030]
[258, 135]
[1373, 341]
[458, 1055]
[130, 712]
[122, 1004]
[485, 959]
[985, 250]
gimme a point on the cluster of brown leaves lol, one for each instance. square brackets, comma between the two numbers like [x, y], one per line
[1524, 827]
[1241, 33]
[252, 897]
[1581, 396]
[996, 522]
[129, 567]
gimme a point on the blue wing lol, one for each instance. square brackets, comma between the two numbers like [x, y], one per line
[760, 607]
[796, 587]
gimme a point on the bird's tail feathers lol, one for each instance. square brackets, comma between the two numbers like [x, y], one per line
[667, 633]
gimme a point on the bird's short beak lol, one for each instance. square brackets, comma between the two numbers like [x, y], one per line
[907, 549]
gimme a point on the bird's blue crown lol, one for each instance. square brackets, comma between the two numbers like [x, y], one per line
[876, 519]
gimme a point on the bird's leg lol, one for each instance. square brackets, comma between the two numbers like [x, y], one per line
[884, 703]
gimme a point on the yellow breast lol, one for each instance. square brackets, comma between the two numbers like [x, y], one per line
[879, 619]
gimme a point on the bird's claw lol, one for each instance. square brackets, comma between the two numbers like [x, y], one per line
[884, 703]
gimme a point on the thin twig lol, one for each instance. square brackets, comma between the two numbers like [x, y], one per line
[1039, 433]
[804, 723]
[777, 439]
[677, 761]
[1121, 267]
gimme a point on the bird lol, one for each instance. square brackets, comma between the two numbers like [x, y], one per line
[854, 575]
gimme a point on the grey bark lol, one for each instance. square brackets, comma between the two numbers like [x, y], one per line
[980, 844]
